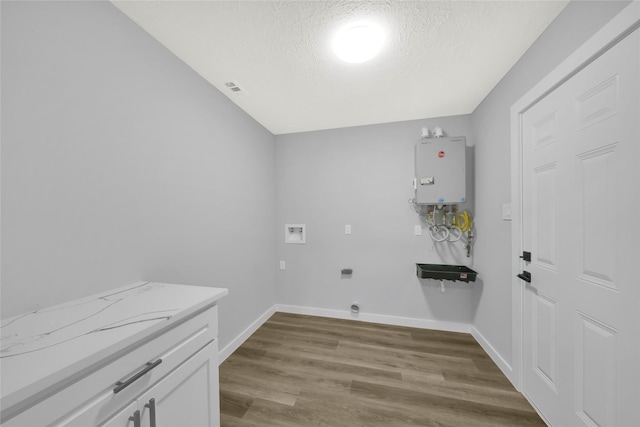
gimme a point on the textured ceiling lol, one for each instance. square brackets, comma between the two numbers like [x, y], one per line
[440, 58]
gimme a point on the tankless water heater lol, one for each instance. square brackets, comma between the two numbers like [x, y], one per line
[440, 171]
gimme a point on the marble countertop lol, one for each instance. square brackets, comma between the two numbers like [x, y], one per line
[43, 347]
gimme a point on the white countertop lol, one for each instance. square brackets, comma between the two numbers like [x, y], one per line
[41, 348]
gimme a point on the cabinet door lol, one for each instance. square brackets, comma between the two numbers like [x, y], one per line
[188, 397]
[92, 415]
[103, 411]
[123, 418]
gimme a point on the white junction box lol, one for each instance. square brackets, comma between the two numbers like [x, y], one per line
[441, 171]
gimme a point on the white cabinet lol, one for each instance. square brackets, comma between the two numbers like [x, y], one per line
[166, 378]
[187, 397]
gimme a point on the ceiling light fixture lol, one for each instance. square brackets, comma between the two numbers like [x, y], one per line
[358, 42]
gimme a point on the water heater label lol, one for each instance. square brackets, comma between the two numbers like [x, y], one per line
[427, 180]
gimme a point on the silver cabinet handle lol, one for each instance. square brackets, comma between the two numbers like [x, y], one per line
[136, 419]
[121, 385]
[152, 412]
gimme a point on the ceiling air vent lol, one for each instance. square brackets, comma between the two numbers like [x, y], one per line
[234, 87]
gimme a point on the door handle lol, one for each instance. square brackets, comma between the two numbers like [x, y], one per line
[136, 419]
[526, 256]
[152, 412]
[525, 275]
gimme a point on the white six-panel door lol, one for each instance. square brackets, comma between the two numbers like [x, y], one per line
[580, 201]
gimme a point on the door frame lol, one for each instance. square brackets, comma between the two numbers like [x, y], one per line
[623, 24]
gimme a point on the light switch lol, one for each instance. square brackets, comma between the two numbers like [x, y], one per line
[506, 212]
[282, 265]
[417, 230]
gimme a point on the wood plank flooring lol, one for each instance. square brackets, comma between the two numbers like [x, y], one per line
[297, 371]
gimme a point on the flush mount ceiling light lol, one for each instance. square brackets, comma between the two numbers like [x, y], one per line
[358, 42]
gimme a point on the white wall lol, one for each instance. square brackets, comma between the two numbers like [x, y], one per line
[491, 131]
[119, 163]
[362, 176]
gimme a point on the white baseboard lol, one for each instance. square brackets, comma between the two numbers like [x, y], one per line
[237, 342]
[504, 366]
[376, 318]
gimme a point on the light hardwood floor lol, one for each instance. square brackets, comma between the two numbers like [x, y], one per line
[313, 371]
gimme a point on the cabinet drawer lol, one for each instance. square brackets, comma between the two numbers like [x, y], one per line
[93, 391]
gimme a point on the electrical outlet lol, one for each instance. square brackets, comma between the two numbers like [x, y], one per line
[347, 229]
